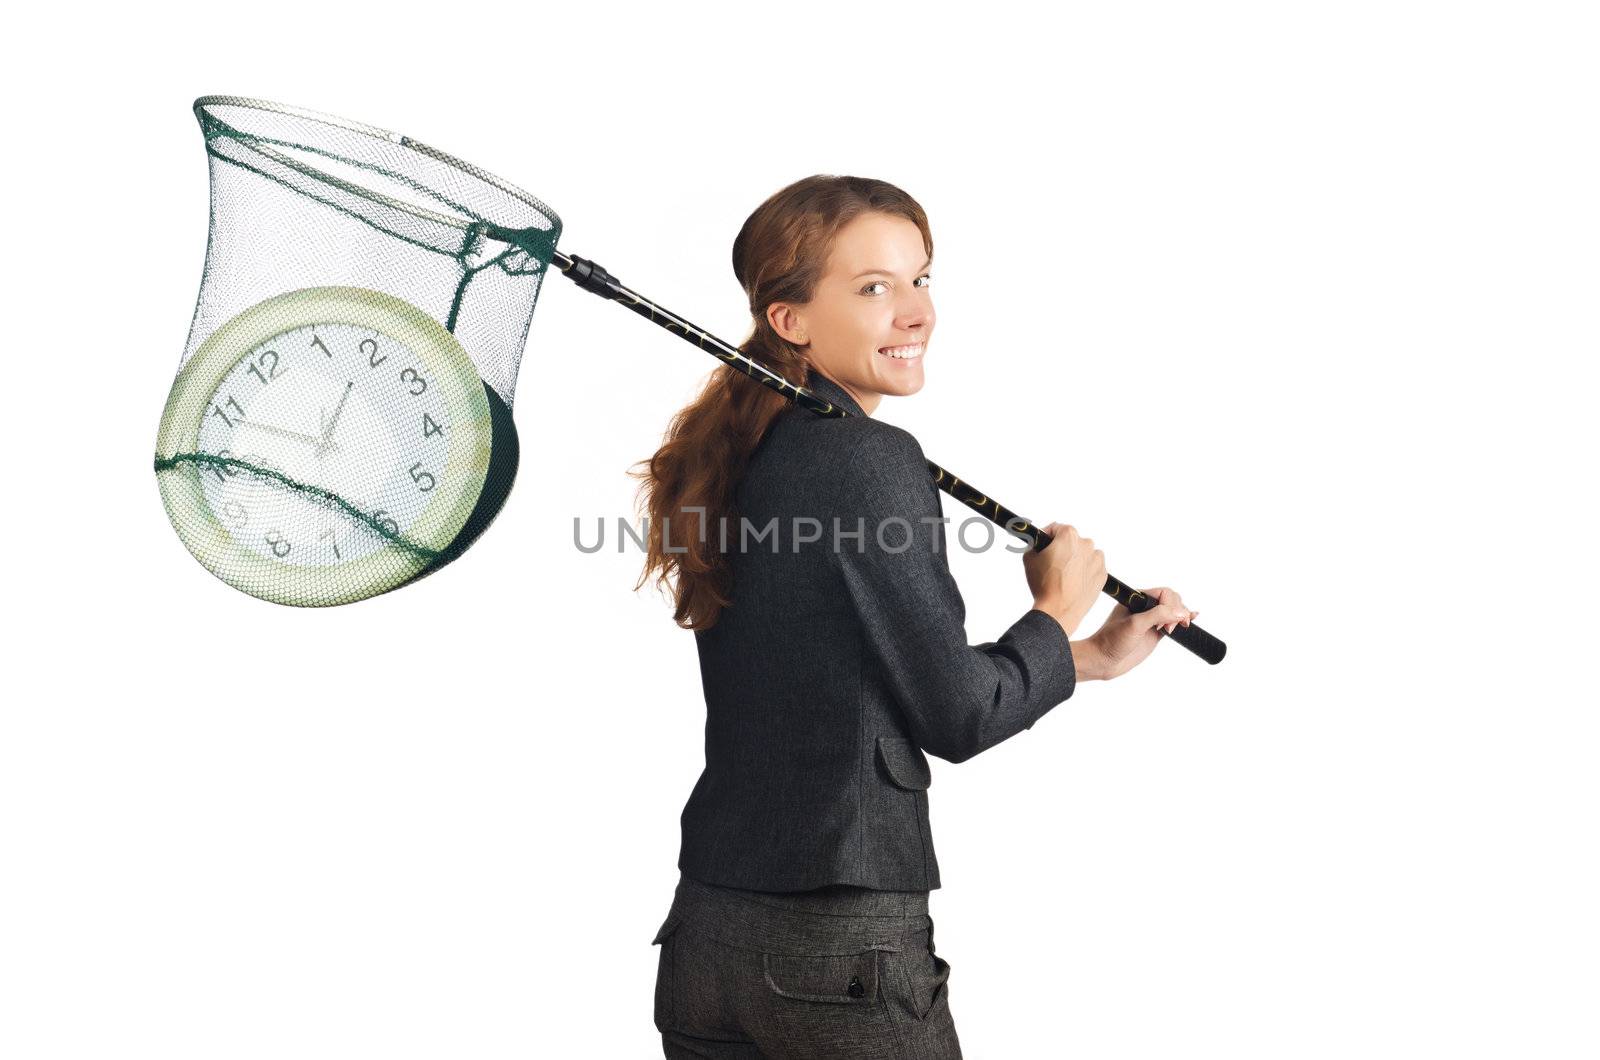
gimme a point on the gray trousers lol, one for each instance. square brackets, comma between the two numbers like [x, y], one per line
[840, 972]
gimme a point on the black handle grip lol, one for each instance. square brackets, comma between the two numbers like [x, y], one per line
[1191, 636]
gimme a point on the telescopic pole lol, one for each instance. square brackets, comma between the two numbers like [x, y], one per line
[593, 278]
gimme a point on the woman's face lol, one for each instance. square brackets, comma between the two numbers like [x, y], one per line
[867, 325]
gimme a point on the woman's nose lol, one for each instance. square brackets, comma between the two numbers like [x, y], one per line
[915, 317]
[917, 311]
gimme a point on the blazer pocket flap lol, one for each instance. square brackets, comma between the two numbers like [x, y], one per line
[905, 763]
[844, 978]
[667, 928]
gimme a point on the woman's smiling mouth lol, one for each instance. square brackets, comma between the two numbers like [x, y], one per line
[903, 353]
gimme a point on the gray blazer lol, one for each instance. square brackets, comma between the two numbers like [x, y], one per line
[835, 668]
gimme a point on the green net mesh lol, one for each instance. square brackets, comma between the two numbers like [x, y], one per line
[340, 423]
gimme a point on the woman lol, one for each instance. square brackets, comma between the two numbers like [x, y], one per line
[807, 554]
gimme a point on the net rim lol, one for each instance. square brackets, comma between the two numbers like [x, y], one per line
[398, 139]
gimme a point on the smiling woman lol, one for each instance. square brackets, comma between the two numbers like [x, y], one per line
[868, 323]
[800, 925]
[835, 272]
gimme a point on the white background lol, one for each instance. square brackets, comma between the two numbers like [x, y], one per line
[1292, 309]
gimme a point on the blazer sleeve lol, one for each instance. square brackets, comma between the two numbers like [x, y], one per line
[958, 699]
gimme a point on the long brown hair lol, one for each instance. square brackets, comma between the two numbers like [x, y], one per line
[779, 256]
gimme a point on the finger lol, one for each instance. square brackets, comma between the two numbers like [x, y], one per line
[1165, 595]
[1156, 618]
[1168, 616]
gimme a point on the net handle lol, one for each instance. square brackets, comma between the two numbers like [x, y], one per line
[593, 278]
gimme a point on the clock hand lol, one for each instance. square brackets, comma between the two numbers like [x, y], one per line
[327, 432]
[327, 428]
[297, 435]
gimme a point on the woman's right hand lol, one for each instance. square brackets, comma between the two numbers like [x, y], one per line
[1066, 575]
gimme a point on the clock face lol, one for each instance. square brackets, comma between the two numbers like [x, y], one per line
[324, 446]
[322, 405]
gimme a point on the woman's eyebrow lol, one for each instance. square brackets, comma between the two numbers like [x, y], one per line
[884, 272]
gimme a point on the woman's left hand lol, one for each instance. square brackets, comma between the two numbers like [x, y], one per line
[1126, 639]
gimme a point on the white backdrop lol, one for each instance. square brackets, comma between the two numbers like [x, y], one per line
[1290, 309]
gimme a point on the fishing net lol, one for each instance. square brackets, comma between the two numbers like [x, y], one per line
[340, 423]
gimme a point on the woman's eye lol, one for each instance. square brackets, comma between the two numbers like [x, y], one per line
[879, 283]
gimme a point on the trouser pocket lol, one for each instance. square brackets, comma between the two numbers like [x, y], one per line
[921, 981]
[833, 978]
[667, 971]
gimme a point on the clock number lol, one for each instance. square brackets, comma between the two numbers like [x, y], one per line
[280, 547]
[316, 340]
[429, 428]
[272, 371]
[410, 376]
[418, 476]
[389, 525]
[330, 533]
[223, 472]
[236, 511]
[216, 410]
[370, 348]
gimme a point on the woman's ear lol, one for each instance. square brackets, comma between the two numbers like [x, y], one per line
[787, 322]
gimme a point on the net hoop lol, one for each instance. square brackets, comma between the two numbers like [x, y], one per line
[204, 109]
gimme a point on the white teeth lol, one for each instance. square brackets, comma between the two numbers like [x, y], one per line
[903, 353]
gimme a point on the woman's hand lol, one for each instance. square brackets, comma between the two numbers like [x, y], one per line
[1126, 639]
[1066, 576]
